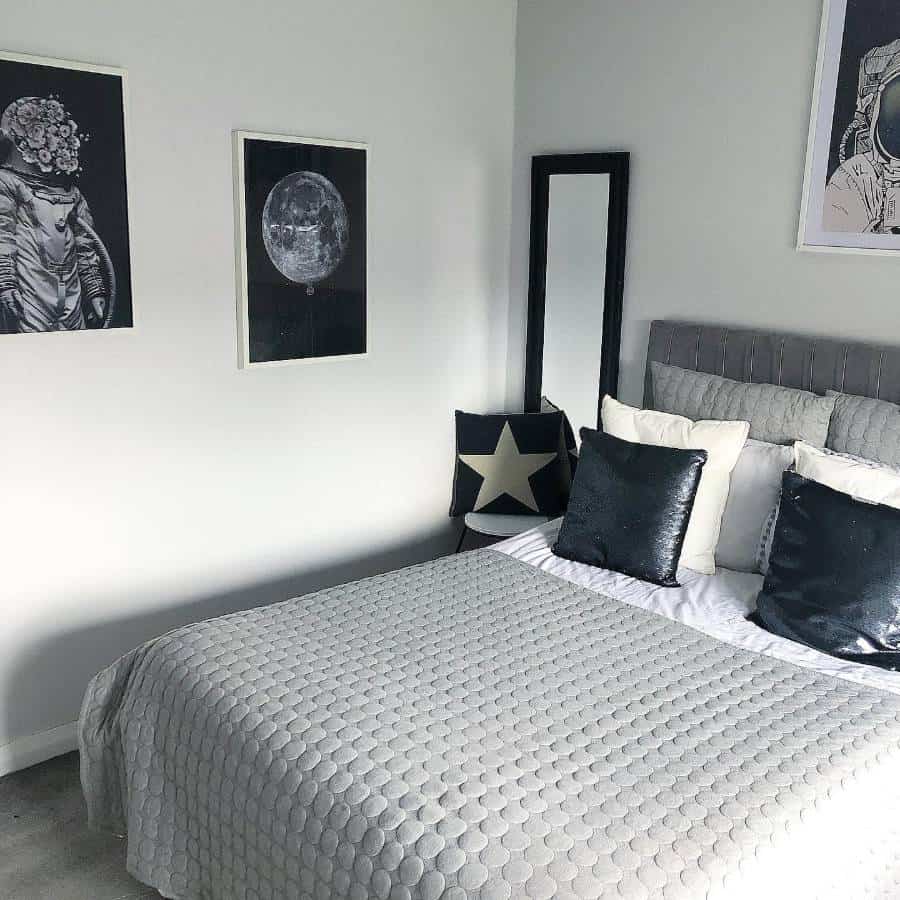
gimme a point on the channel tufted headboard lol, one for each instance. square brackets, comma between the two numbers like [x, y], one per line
[813, 364]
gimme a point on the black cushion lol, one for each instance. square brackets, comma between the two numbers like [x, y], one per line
[834, 574]
[511, 464]
[630, 507]
[571, 445]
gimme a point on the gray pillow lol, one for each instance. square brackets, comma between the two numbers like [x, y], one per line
[752, 500]
[768, 538]
[862, 426]
[777, 415]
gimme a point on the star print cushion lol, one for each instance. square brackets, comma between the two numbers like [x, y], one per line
[630, 507]
[510, 464]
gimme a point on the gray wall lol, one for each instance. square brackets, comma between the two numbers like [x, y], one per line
[147, 481]
[713, 101]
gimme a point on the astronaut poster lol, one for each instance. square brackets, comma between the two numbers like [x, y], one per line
[64, 251]
[302, 249]
[851, 200]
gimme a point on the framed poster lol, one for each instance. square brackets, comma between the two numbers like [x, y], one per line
[64, 244]
[851, 195]
[302, 249]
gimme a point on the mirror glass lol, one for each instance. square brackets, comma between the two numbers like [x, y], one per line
[577, 234]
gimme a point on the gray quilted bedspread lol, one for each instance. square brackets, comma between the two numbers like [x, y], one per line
[475, 728]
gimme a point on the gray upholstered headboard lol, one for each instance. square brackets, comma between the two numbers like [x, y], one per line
[813, 364]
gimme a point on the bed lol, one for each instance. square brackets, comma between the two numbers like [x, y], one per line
[506, 724]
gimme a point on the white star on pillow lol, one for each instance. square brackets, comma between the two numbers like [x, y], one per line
[506, 471]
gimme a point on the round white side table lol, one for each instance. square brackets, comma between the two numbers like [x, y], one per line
[493, 525]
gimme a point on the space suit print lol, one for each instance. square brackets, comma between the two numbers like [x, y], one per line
[863, 194]
[54, 270]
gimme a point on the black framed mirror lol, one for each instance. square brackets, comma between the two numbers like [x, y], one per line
[579, 216]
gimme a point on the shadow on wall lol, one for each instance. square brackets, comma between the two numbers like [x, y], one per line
[47, 681]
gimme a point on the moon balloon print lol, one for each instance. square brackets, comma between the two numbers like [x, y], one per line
[302, 247]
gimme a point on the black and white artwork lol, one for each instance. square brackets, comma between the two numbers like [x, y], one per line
[302, 245]
[64, 251]
[852, 192]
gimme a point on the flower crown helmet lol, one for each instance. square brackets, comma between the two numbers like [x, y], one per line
[42, 130]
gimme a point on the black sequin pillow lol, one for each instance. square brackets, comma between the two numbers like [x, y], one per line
[630, 507]
[834, 574]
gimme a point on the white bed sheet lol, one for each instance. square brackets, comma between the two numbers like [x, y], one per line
[717, 605]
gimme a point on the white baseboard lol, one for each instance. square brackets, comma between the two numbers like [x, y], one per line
[35, 748]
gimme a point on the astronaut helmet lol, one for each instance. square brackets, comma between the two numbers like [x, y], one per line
[885, 130]
[44, 133]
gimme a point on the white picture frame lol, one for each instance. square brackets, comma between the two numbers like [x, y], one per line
[112, 175]
[827, 224]
[243, 252]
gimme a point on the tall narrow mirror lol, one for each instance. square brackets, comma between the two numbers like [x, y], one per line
[573, 318]
[576, 284]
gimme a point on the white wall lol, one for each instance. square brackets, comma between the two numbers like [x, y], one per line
[148, 482]
[713, 100]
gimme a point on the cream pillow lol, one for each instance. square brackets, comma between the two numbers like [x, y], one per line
[723, 442]
[859, 478]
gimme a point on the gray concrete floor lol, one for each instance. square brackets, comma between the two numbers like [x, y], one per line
[47, 851]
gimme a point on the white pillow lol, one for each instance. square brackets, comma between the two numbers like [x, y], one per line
[752, 499]
[723, 442]
[860, 478]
